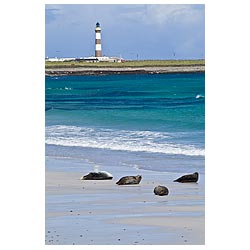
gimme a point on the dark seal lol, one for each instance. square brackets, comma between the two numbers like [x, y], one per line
[97, 176]
[129, 180]
[188, 178]
[161, 190]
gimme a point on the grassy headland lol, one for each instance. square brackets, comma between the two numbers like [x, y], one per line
[131, 64]
[128, 67]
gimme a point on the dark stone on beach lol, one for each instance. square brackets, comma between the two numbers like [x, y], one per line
[161, 190]
[129, 180]
[97, 176]
[188, 178]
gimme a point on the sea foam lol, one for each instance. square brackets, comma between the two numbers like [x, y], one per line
[114, 139]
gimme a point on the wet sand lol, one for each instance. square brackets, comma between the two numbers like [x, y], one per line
[103, 213]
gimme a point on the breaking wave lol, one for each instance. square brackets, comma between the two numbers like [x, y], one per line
[136, 141]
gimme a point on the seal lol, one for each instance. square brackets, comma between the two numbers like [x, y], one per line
[103, 175]
[129, 180]
[161, 190]
[188, 178]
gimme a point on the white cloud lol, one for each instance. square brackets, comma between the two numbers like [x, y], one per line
[159, 14]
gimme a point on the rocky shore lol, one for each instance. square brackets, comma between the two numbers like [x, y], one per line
[123, 70]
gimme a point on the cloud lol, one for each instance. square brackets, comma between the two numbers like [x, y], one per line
[111, 14]
[51, 14]
[160, 14]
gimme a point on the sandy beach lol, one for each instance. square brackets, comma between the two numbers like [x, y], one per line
[123, 70]
[103, 213]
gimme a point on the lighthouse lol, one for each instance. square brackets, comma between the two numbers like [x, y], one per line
[98, 46]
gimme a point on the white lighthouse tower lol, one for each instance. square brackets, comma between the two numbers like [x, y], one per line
[98, 46]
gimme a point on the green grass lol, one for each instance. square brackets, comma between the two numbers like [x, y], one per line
[144, 63]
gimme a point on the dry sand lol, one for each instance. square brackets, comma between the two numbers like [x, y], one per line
[102, 213]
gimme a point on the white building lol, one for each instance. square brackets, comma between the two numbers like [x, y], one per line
[56, 59]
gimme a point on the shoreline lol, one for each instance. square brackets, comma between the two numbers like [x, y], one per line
[66, 71]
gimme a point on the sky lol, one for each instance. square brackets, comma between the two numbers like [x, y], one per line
[130, 31]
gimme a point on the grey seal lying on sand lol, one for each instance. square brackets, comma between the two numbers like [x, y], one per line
[161, 190]
[103, 175]
[188, 178]
[129, 180]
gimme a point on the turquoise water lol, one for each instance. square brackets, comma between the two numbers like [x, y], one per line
[152, 119]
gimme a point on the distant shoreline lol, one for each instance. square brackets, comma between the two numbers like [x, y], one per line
[124, 70]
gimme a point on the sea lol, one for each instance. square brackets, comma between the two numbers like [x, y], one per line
[154, 122]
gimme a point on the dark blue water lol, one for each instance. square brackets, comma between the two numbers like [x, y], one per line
[157, 116]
